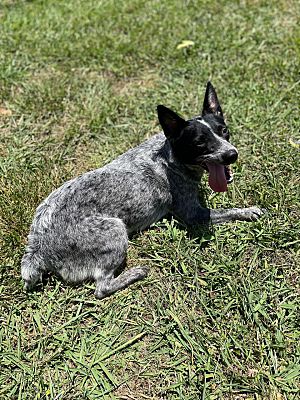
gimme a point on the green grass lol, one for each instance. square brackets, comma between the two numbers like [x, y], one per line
[218, 316]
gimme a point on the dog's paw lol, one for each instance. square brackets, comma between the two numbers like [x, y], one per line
[252, 213]
[141, 272]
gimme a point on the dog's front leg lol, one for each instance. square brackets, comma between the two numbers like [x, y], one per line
[194, 214]
[235, 214]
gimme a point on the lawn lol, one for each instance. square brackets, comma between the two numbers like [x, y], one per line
[218, 316]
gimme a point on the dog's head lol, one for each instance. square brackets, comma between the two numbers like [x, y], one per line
[202, 141]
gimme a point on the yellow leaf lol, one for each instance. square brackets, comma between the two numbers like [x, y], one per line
[185, 43]
[295, 143]
[5, 111]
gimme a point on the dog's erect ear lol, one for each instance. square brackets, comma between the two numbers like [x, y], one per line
[171, 123]
[211, 103]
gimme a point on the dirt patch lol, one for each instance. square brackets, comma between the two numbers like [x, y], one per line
[127, 86]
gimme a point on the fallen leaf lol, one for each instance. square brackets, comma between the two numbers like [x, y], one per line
[5, 111]
[295, 142]
[185, 43]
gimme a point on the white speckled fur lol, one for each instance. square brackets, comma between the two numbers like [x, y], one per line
[80, 231]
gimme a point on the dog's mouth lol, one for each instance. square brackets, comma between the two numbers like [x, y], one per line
[219, 176]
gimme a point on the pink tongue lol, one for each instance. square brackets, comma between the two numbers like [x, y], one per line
[217, 179]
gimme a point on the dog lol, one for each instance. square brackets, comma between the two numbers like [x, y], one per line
[80, 231]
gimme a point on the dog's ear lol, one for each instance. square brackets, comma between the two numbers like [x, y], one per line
[171, 123]
[211, 103]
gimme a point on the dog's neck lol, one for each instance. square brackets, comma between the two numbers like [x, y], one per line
[196, 171]
[193, 172]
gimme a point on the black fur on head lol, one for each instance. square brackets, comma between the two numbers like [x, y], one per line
[194, 140]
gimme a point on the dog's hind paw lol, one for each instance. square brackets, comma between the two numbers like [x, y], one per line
[141, 272]
[105, 288]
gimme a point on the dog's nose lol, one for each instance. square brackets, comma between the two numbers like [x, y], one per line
[230, 156]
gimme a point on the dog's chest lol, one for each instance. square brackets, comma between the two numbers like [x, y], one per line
[143, 220]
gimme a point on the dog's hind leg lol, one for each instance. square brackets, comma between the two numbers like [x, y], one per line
[105, 287]
[101, 245]
[112, 254]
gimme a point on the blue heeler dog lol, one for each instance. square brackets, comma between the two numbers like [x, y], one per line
[80, 231]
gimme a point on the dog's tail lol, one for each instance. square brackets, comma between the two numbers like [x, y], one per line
[32, 266]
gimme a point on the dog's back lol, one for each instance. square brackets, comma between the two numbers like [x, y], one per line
[130, 188]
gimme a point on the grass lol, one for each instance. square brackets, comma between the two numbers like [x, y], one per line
[218, 317]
